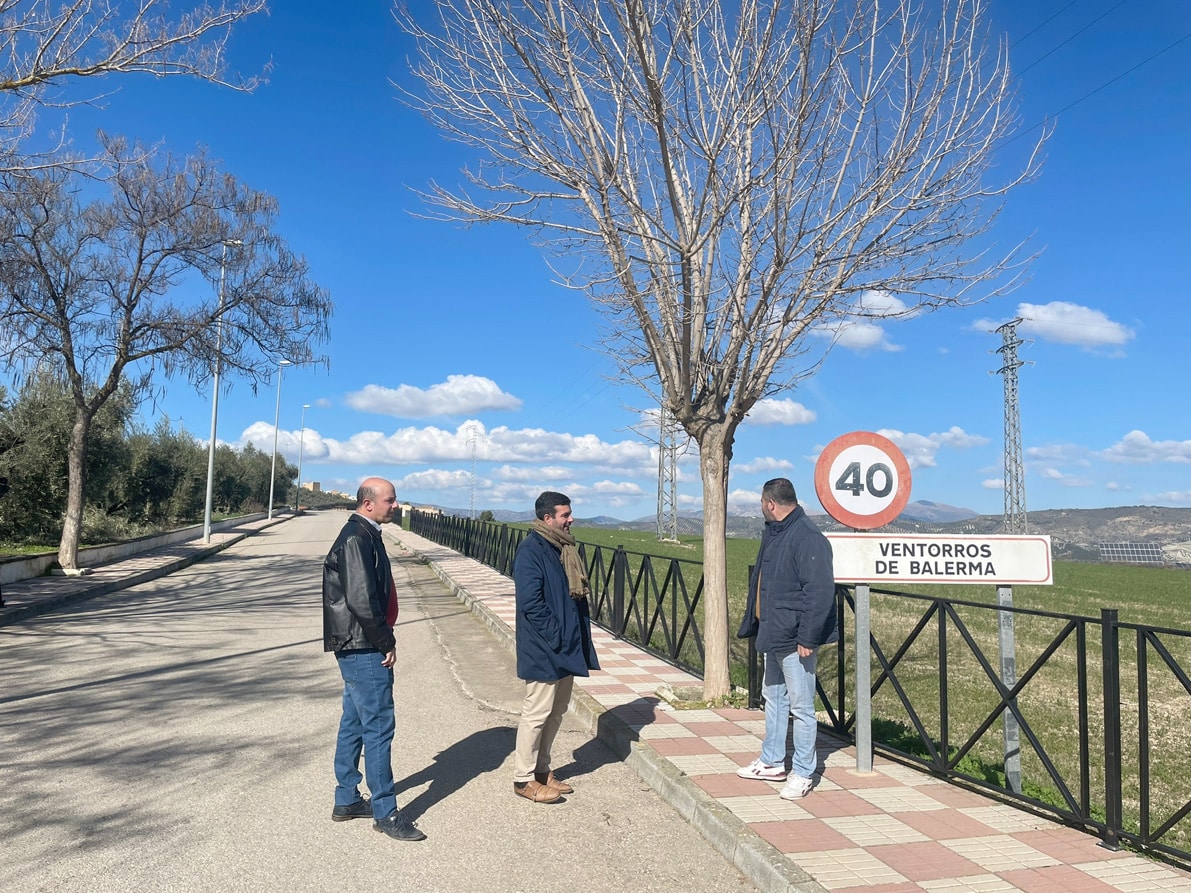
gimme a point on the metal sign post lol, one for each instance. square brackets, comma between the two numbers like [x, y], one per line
[863, 480]
[1009, 679]
[864, 688]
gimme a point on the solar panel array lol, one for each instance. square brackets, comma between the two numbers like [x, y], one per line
[1132, 553]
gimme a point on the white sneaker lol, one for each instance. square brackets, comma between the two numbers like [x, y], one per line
[762, 772]
[796, 788]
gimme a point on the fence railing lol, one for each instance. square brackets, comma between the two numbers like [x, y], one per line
[643, 598]
[1100, 705]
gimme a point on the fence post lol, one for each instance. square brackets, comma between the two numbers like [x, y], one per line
[620, 564]
[1111, 664]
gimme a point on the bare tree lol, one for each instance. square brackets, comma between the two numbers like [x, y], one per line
[46, 43]
[729, 178]
[114, 289]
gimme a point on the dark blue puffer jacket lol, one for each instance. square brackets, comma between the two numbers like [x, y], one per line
[797, 588]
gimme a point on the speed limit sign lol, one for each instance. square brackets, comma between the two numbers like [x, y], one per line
[863, 480]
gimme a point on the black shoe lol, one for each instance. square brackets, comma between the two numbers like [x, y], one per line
[398, 827]
[361, 809]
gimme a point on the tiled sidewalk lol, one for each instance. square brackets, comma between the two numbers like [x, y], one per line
[892, 831]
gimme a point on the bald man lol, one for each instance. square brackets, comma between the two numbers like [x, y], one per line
[359, 610]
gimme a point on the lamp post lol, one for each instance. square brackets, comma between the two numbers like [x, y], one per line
[281, 364]
[215, 391]
[301, 449]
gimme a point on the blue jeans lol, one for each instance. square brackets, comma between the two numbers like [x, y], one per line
[367, 725]
[789, 690]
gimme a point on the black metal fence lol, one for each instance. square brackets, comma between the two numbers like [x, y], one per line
[1100, 705]
[643, 598]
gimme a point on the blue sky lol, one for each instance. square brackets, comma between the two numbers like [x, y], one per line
[452, 348]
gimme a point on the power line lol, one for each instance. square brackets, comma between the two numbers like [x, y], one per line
[1069, 39]
[1092, 93]
[1123, 74]
[1044, 23]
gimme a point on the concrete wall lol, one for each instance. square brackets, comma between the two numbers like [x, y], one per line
[27, 567]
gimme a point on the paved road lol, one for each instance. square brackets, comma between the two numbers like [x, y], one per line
[177, 736]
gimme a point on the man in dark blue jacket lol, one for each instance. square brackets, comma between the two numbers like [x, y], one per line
[791, 611]
[359, 610]
[553, 642]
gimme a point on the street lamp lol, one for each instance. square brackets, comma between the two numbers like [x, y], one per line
[215, 390]
[281, 364]
[301, 448]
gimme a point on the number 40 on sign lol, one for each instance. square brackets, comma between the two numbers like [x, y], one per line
[863, 480]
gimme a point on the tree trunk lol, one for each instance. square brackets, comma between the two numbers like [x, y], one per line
[713, 467]
[76, 464]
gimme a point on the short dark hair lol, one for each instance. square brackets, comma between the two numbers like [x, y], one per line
[781, 491]
[548, 502]
[365, 492]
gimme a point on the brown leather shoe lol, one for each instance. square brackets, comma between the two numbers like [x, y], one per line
[538, 793]
[548, 779]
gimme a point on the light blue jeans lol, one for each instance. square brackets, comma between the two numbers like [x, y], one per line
[367, 725]
[789, 690]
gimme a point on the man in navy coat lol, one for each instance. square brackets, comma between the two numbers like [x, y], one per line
[553, 642]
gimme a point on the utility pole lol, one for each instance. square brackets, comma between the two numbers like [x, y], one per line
[667, 477]
[1015, 485]
[473, 438]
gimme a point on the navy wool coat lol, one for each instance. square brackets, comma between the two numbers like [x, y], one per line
[553, 629]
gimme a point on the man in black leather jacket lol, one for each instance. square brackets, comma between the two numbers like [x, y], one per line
[359, 610]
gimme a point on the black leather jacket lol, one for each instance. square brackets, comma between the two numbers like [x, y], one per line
[357, 579]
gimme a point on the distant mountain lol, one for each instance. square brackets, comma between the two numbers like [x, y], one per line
[936, 512]
[1075, 533]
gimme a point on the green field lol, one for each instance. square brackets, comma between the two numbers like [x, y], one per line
[1143, 596]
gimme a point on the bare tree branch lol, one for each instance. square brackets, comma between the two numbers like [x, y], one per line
[46, 43]
[728, 179]
[116, 290]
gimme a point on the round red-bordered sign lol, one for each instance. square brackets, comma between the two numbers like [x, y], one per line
[863, 480]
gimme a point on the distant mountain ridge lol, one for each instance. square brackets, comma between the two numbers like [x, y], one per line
[1075, 533]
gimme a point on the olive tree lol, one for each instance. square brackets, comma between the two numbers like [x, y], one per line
[726, 179]
[47, 44]
[131, 285]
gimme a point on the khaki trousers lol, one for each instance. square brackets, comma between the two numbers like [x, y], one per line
[544, 707]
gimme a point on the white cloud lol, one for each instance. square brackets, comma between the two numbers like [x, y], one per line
[744, 501]
[434, 479]
[855, 331]
[1136, 448]
[993, 484]
[1069, 323]
[1066, 323]
[779, 412]
[862, 335]
[431, 444]
[763, 463]
[526, 474]
[921, 449]
[1175, 497]
[1057, 453]
[1065, 480]
[458, 395]
[616, 488]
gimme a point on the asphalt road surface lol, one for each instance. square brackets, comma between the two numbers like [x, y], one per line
[178, 736]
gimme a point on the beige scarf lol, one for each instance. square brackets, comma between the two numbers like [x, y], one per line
[571, 563]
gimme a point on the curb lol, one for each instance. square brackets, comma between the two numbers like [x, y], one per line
[760, 862]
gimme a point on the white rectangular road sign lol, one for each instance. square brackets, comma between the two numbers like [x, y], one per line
[930, 558]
